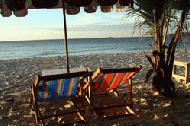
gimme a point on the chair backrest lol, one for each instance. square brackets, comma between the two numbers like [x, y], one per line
[109, 79]
[60, 86]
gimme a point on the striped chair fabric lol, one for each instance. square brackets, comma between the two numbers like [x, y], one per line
[106, 82]
[57, 89]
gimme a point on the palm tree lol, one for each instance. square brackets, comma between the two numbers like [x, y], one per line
[159, 17]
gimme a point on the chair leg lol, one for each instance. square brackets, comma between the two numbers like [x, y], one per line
[82, 118]
[130, 92]
[92, 108]
[42, 120]
[37, 114]
[88, 95]
[91, 103]
[36, 117]
[36, 109]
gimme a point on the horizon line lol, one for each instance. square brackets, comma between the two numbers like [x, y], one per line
[73, 38]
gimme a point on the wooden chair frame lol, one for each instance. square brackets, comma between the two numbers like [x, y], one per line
[93, 75]
[38, 114]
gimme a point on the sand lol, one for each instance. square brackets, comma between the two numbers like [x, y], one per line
[17, 75]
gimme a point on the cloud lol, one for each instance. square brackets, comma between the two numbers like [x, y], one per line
[98, 31]
[47, 24]
[83, 20]
[98, 18]
[82, 31]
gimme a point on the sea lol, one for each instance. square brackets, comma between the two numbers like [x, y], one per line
[81, 46]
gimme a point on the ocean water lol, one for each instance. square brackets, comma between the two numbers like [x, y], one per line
[45, 48]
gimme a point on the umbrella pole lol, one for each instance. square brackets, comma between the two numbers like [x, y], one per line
[65, 39]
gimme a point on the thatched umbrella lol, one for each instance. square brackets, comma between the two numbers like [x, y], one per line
[20, 8]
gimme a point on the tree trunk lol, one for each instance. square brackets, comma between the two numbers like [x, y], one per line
[163, 71]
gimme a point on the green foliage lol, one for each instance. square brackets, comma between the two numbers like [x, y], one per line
[151, 11]
[159, 16]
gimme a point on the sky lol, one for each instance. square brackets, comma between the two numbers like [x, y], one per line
[48, 24]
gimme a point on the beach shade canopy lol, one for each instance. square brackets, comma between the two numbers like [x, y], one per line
[20, 8]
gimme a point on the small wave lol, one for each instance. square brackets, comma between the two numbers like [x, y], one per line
[47, 53]
[16, 50]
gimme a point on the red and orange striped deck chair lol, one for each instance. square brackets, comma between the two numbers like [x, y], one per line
[54, 90]
[103, 81]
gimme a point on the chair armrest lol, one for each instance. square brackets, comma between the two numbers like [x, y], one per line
[95, 74]
[36, 81]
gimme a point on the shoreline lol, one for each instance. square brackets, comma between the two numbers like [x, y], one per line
[178, 53]
[75, 55]
[178, 50]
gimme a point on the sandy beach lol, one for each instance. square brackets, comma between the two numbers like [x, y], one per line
[17, 75]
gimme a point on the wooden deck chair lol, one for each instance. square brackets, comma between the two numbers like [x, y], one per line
[103, 81]
[50, 89]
